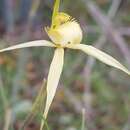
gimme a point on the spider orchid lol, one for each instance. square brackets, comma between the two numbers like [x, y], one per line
[64, 32]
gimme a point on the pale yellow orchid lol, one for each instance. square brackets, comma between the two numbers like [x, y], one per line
[65, 32]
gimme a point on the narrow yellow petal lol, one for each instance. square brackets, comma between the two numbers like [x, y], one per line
[56, 9]
[53, 78]
[29, 44]
[105, 58]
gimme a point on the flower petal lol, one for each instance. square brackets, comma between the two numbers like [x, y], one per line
[53, 78]
[105, 58]
[67, 33]
[29, 44]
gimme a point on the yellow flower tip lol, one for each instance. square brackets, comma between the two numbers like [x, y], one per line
[64, 30]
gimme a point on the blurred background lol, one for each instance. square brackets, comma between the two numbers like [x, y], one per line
[85, 83]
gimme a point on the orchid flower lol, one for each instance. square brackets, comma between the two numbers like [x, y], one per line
[64, 32]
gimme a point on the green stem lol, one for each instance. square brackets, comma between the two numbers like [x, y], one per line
[83, 120]
[43, 121]
[3, 95]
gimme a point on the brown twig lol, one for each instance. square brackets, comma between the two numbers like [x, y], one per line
[92, 29]
[108, 28]
[90, 62]
[9, 16]
[23, 54]
[124, 31]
